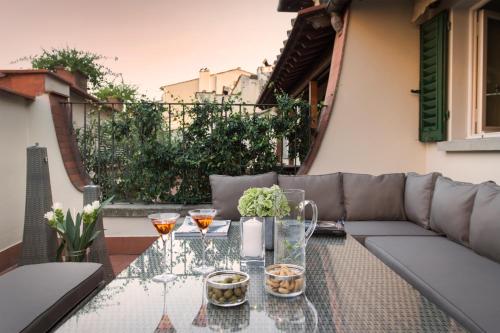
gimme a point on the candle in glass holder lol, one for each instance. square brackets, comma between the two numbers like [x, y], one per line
[252, 238]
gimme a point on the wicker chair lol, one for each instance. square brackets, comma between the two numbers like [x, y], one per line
[98, 250]
[39, 240]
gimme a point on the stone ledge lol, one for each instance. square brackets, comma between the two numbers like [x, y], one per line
[471, 145]
[143, 210]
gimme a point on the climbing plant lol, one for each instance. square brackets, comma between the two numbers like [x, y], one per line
[136, 156]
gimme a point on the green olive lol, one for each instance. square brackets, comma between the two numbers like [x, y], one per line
[222, 300]
[237, 292]
[236, 278]
[228, 293]
[228, 280]
[217, 292]
[233, 299]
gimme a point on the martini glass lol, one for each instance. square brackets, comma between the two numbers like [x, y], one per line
[164, 223]
[203, 218]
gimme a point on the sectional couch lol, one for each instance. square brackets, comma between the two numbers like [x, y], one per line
[442, 236]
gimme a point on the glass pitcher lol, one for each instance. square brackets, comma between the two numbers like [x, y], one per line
[290, 235]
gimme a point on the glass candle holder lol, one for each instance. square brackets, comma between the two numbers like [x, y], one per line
[252, 248]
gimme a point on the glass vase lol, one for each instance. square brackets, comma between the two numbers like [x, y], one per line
[252, 248]
[75, 255]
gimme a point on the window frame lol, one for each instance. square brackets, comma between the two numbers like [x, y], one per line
[479, 19]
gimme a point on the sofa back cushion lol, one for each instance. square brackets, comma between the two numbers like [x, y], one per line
[227, 190]
[418, 197]
[324, 190]
[369, 197]
[451, 208]
[485, 222]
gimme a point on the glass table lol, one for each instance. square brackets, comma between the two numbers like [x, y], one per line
[348, 290]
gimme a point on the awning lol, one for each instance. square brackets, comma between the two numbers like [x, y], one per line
[310, 40]
[420, 8]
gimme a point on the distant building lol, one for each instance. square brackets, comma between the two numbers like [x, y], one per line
[213, 86]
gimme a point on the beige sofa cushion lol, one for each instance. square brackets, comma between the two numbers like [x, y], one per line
[452, 208]
[369, 197]
[324, 190]
[227, 190]
[418, 197]
[485, 222]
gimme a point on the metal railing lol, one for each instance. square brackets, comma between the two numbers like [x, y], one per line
[96, 129]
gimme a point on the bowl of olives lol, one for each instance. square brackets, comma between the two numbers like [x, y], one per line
[227, 288]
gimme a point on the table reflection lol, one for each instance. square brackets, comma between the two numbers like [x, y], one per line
[292, 314]
[165, 325]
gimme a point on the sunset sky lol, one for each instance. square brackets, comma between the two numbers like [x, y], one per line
[157, 42]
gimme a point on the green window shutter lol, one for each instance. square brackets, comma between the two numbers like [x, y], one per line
[433, 78]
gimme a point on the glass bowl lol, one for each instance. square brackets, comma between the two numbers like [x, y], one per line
[227, 288]
[285, 280]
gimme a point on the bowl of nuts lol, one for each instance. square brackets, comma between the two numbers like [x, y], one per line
[285, 280]
[227, 288]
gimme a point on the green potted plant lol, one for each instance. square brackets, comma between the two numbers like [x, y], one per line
[263, 204]
[76, 235]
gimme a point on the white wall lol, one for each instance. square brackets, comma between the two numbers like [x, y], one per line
[22, 124]
[374, 126]
[13, 139]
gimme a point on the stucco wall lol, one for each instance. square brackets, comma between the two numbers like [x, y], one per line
[374, 125]
[472, 167]
[23, 124]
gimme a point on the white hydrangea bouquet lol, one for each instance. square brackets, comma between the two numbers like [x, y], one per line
[263, 201]
[76, 235]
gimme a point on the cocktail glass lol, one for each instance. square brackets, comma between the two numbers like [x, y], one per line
[203, 218]
[164, 223]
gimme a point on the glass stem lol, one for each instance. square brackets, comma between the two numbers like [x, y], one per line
[171, 256]
[164, 254]
[204, 250]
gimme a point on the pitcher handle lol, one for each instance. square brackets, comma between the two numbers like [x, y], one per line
[314, 220]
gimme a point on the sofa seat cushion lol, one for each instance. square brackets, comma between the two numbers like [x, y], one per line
[227, 190]
[362, 229]
[461, 282]
[35, 297]
[378, 198]
[324, 190]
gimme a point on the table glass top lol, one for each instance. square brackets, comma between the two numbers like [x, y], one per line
[348, 290]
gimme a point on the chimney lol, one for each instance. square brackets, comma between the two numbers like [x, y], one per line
[77, 79]
[204, 80]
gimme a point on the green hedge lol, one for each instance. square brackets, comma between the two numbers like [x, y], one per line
[149, 162]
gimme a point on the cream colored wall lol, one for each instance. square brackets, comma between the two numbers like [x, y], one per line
[14, 114]
[23, 124]
[227, 79]
[374, 126]
[248, 89]
[474, 167]
[184, 91]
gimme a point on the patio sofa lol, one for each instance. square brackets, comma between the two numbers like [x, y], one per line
[442, 236]
[33, 298]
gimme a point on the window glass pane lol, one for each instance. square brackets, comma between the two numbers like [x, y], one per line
[493, 74]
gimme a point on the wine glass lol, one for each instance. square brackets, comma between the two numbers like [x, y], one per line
[164, 223]
[203, 218]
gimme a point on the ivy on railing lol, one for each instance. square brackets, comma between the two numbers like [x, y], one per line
[154, 152]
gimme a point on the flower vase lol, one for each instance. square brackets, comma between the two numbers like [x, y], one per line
[252, 232]
[269, 230]
[75, 255]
